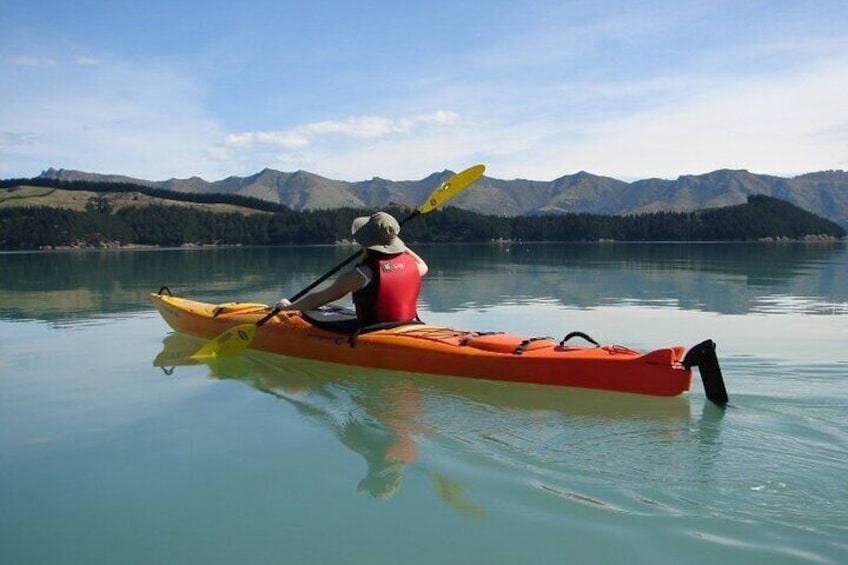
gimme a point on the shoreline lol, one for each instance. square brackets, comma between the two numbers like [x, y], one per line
[117, 246]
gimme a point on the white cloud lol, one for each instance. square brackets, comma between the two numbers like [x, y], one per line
[286, 140]
[405, 157]
[351, 148]
[12, 139]
[30, 61]
[358, 127]
[38, 61]
[85, 61]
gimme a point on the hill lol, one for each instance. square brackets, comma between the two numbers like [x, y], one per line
[101, 223]
[824, 193]
[81, 200]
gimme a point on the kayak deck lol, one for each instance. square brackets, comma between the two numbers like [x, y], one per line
[424, 348]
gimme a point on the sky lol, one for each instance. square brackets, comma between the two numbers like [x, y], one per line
[533, 89]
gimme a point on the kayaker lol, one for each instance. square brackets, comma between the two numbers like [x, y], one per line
[385, 285]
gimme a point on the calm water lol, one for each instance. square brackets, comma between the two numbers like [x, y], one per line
[113, 451]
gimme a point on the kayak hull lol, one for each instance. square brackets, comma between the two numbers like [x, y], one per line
[423, 348]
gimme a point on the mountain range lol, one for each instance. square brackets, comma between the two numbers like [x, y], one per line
[824, 193]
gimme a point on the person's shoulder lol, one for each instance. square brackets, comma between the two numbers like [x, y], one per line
[363, 272]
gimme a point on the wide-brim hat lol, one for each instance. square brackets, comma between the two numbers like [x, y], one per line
[378, 232]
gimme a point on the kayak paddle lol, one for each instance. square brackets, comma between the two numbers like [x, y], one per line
[238, 338]
[444, 192]
[231, 342]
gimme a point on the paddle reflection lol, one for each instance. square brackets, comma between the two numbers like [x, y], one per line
[385, 417]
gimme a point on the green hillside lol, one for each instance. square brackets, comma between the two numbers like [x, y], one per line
[73, 214]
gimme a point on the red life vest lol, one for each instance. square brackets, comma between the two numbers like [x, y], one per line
[392, 294]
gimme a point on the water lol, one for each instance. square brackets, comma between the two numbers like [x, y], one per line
[106, 458]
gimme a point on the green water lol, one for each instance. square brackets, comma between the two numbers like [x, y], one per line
[106, 458]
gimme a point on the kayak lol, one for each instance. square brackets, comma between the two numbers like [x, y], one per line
[299, 378]
[331, 335]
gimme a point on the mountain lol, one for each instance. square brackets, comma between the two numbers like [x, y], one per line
[824, 193]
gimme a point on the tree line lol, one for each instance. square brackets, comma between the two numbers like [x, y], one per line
[172, 225]
[124, 187]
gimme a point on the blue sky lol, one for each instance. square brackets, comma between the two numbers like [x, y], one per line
[351, 90]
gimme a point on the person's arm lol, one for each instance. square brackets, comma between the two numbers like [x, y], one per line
[346, 283]
[422, 265]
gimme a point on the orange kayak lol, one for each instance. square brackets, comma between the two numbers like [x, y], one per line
[326, 335]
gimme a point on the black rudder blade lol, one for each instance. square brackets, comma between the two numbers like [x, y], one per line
[704, 357]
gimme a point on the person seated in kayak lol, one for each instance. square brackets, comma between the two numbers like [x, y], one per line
[385, 285]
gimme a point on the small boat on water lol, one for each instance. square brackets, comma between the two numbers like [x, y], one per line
[333, 335]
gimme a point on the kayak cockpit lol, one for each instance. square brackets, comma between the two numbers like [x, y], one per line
[343, 320]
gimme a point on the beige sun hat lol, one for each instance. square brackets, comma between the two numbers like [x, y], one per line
[378, 232]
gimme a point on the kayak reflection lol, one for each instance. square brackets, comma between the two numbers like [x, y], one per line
[386, 416]
[378, 420]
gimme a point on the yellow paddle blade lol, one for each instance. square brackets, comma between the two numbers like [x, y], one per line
[232, 342]
[451, 187]
[178, 350]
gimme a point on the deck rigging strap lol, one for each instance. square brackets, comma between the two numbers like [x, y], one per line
[468, 336]
[580, 335]
[523, 345]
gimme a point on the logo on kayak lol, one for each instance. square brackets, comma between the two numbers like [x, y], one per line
[243, 335]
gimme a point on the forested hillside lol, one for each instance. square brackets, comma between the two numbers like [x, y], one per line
[824, 193]
[169, 224]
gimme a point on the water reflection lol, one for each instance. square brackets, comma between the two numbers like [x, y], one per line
[385, 416]
[723, 278]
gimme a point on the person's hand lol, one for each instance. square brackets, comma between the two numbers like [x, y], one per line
[283, 303]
